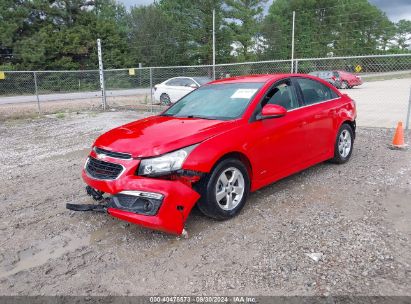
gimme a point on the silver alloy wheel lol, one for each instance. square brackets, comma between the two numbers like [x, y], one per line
[344, 143]
[344, 85]
[230, 188]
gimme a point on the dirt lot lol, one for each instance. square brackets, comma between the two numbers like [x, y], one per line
[381, 103]
[30, 109]
[356, 215]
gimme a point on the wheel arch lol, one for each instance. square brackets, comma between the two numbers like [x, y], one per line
[241, 157]
[352, 124]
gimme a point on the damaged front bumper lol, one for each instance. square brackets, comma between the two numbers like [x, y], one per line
[150, 202]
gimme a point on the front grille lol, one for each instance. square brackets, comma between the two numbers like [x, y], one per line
[103, 170]
[112, 154]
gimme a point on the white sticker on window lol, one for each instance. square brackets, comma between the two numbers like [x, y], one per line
[244, 93]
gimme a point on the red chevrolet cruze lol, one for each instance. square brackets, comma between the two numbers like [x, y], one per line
[215, 146]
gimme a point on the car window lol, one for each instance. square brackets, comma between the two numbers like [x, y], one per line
[314, 91]
[186, 82]
[174, 82]
[282, 94]
[202, 80]
[325, 75]
[216, 101]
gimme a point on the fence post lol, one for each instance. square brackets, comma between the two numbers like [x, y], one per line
[151, 89]
[213, 44]
[292, 44]
[407, 123]
[101, 72]
[36, 91]
[296, 66]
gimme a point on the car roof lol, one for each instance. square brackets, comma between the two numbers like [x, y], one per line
[257, 78]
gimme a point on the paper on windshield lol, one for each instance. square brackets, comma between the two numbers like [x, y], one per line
[244, 93]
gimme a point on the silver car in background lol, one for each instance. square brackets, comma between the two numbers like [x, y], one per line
[173, 89]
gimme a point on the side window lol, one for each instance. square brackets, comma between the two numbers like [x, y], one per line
[174, 82]
[314, 91]
[282, 94]
[186, 82]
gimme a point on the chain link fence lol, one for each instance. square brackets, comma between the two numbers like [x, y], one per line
[382, 99]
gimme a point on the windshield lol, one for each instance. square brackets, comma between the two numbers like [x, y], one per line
[215, 101]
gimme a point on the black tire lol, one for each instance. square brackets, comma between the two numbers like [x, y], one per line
[165, 99]
[207, 203]
[339, 156]
[344, 85]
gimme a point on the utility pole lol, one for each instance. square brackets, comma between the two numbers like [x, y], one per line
[292, 45]
[101, 72]
[213, 44]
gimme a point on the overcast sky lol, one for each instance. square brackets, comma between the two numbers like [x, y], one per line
[395, 9]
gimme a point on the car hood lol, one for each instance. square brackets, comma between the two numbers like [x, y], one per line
[157, 135]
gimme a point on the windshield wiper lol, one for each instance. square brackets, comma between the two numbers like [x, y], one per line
[197, 116]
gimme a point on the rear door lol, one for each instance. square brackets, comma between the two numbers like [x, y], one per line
[320, 104]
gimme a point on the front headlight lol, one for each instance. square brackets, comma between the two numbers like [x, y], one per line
[166, 163]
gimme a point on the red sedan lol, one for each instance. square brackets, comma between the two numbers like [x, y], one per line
[347, 80]
[215, 146]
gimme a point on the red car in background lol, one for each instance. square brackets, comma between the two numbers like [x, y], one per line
[347, 80]
[216, 145]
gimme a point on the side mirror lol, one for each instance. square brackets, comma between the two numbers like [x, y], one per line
[193, 85]
[272, 111]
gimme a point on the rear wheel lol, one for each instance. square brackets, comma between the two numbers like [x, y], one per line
[343, 144]
[225, 190]
[344, 85]
[165, 99]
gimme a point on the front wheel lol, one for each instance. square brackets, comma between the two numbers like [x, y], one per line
[343, 144]
[225, 190]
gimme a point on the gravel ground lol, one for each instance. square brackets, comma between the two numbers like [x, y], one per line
[355, 217]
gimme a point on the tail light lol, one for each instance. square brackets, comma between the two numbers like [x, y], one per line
[333, 78]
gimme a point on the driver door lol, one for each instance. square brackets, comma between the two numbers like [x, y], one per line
[279, 146]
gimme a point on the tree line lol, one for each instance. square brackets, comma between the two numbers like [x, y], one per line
[62, 34]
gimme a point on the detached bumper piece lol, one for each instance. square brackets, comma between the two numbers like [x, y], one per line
[162, 205]
[87, 207]
[135, 203]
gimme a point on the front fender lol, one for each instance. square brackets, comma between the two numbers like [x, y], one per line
[206, 155]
